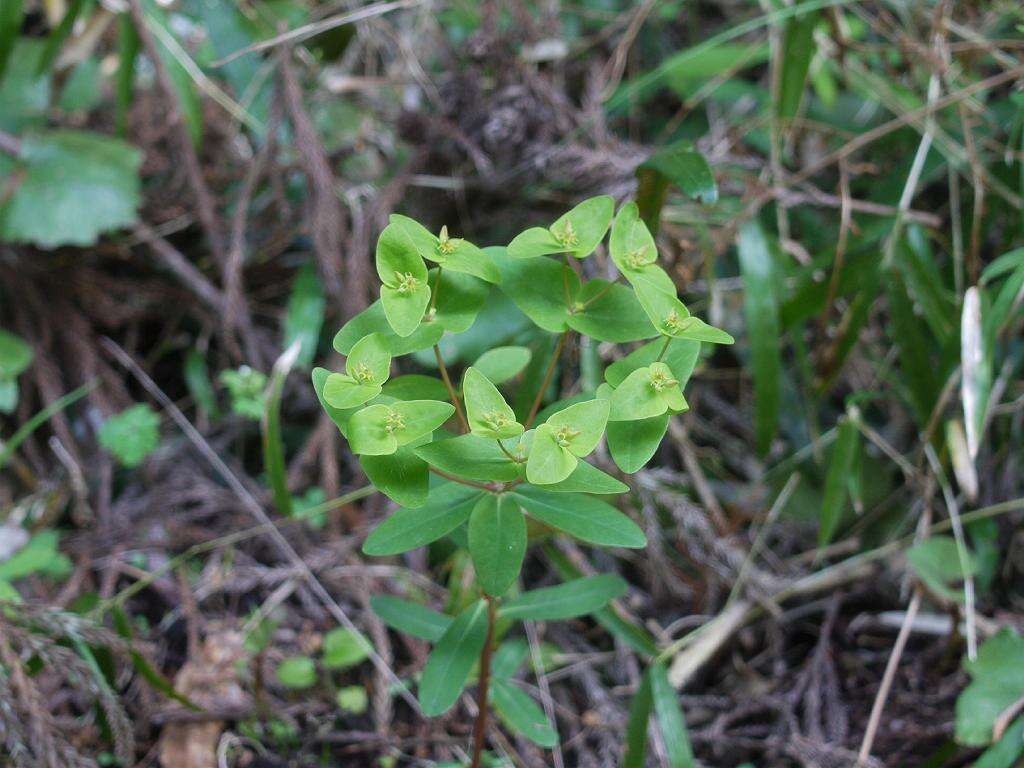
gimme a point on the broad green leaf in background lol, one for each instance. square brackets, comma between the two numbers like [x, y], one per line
[762, 317]
[577, 232]
[404, 292]
[402, 476]
[73, 187]
[343, 648]
[542, 288]
[633, 443]
[573, 598]
[488, 413]
[670, 719]
[1005, 752]
[411, 618]
[382, 429]
[132, 434]
[246, 387]
[497, 542]
[521, 714]
[936, 561]
[83, 90]
[509, 657]
[503, 363]
[833, 502]
[460, 299]
[24, 92]
[297, 672]
[38, 555]
[586, 518]
[452, 659]
[305, 314]
[997, 681]
[609, 312]
[679, 164]
[15, 356]
[352, 699]
[795, 56]
[447, 507]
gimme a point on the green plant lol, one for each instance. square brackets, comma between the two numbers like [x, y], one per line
[508, 474]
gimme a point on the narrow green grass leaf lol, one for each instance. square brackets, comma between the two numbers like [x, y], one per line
[797, 50]
[833, 502]
[670, 719]
[452, 659]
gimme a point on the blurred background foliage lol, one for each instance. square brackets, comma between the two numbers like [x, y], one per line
[192, 187]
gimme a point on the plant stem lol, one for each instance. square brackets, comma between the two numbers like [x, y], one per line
[480, 726]
[547, 379]
[451, 390]
[506, 452]
[664, 349]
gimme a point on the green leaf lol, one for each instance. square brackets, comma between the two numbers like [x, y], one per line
[665, 311]
[540, 288]
[502, 363]
[470, 456]
[73, 186]
[680, 356]
[1005, 752]
[646, 393]
[83, 90]
[411, 618]
[374, 320]
[344, 648]
[304, 317]
[415, 386]
[404, 292]
[936, 561]
[197, 379]
[636, 725]
[381, 429]
[679, 164]
[610, 312]
[565, 601]
[341, 392]
[452, 659]
[586, 518]
[997, 681]
[452, 253]
[339, 416]
[15, 355]
[297, 672]
[633, 443]
[631, 244]
[131, 435]
[670, 719]
[837, 481]
[39, 555]
[459, 300]
[401, 476]
[11, 15]
[352, 699]
[246, 387]
[586, 478]
[550, 461]
[497, 542]
[369, 360]
[447, 507]
[797, 50]
[521, 714]
[581, 230]
[509, 657]
[762, 317]
[580, 426]
[534, 242]
[488, 413]
[24, 92]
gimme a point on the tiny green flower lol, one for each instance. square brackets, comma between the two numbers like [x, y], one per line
[446, 245]
[393, 422]
[567, 237]
[564, 435]
[405, 282]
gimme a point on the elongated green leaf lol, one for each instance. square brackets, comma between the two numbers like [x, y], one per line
[636, 725]
[573, 598]
[797, 50]
[497, 542]
[470, 456]
[11, 14]
[452, 659]
[448, 507]
[521, 714]
[833, 502]
[586, 478]
[270, 430]
[633, 443]
[584, 517]
[762, 316]
[411, 618]
[670, 719]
